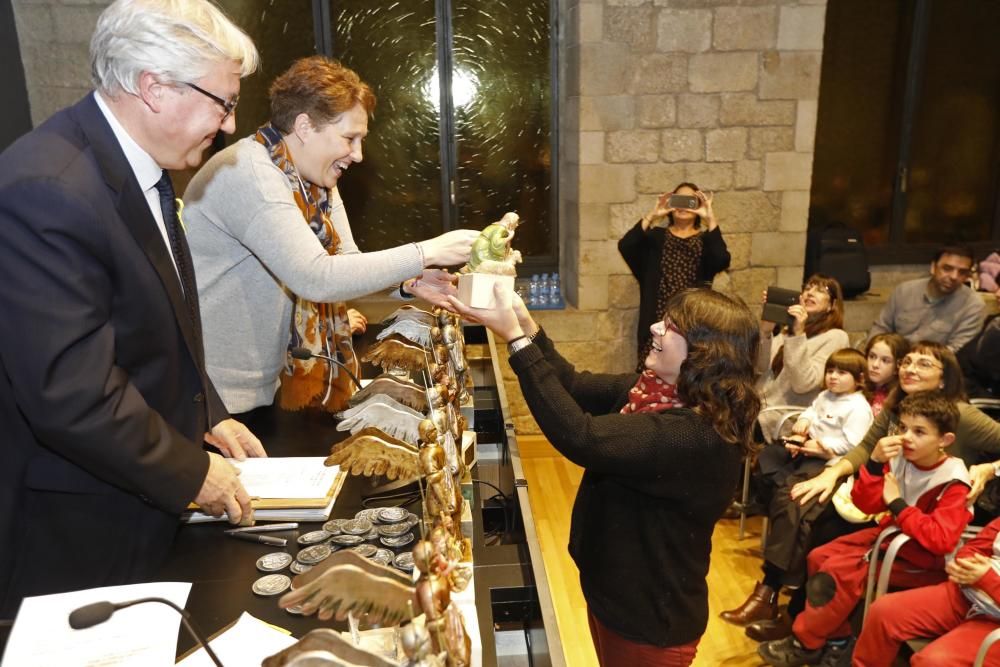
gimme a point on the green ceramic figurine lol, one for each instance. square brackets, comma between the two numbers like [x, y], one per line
[491, 251]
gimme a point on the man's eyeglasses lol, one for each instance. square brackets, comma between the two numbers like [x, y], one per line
[919, 364]
[228, 106]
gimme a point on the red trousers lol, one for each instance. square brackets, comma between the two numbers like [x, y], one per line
[932, 611]
[837, 575]
[613, 650]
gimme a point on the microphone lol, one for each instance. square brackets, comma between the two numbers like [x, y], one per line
[98, 612]
[304, 353]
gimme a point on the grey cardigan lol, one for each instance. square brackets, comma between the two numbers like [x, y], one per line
[252, 253]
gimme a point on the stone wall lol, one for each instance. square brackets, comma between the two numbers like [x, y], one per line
[719, 92]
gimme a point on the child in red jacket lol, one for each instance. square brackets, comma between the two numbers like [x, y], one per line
[925, 491]
[960, 612]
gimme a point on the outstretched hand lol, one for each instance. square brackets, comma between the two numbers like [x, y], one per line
[433, 286]
[502, 320]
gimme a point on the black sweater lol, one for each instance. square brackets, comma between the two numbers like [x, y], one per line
[642, 252]
[653, 487]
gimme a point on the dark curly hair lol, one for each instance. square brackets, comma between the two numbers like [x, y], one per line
[717, 377]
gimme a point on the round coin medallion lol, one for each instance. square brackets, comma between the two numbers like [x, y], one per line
[366, 550]
[273, 562]
[372, 534]
[299, 568]
[314, 554]
[271, 584]
[397, 541]
[382, 557]
[346, 540]
[296, 610]
[313, 537]
[370, 514]
[392, 514]
[357, 526]
[394, 529]
[333, 526]
[404, 561]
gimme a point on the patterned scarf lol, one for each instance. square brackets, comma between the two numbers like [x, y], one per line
[651, 394]
[322, 328]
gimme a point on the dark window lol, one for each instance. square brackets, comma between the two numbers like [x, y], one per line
[908, 129]
[464, 126]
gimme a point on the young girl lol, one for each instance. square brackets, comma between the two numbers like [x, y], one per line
[837, 420]
[883, 353]
[840, 416]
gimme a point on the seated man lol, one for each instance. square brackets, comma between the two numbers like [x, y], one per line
[980, 360]
[940, 308]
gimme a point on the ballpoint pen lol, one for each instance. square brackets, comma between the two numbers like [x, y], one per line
[264, 528]
[261, 539]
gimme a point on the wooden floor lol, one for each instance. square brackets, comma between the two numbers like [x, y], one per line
[552, 485]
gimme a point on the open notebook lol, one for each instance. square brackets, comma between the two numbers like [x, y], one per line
[285, 489]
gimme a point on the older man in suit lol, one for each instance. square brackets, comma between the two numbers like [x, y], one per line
[104, 399]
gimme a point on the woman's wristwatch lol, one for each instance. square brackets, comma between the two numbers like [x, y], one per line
[517, 344]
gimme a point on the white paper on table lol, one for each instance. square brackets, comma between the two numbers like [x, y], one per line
[144, 635]
[247, 642]
[291, 477]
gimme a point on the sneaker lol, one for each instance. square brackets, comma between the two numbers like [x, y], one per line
[838, 653]
[788, 652]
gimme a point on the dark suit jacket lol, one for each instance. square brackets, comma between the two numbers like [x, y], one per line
[104, 400]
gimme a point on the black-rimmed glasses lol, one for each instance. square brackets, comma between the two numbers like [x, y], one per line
[228, 106]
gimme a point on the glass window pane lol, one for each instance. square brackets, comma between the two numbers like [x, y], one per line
[860, 103]
[283, 32]
[394, 195]
[953, 172]
[501, 89]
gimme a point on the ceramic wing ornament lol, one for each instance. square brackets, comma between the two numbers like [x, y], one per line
[491, 261]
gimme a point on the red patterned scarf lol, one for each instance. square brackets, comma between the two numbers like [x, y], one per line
[323, 328]
[651, 394]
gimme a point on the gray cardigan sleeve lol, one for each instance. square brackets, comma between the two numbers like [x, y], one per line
[805, 358]
[249, 198]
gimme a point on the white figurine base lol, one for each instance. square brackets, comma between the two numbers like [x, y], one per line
[475, 290]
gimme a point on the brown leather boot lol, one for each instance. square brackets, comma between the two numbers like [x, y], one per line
[765, 631]
[760, 606]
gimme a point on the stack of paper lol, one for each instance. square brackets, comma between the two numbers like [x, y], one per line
[246, 642]
[285, 489]
[141, 636]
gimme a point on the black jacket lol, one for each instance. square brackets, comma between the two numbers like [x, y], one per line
[653, 487]
[104, 400]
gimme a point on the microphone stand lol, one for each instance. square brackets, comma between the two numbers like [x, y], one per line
[304, 353]
[98, 612]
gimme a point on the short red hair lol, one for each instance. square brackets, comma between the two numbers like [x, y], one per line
[320, 87]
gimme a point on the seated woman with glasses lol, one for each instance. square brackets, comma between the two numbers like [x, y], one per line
[800, 504]
[927, 366]
[273, 251]
[661, 456]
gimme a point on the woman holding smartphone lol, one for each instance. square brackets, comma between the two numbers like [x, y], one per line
[675, 246]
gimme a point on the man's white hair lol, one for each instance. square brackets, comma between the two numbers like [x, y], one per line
[177, 40]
